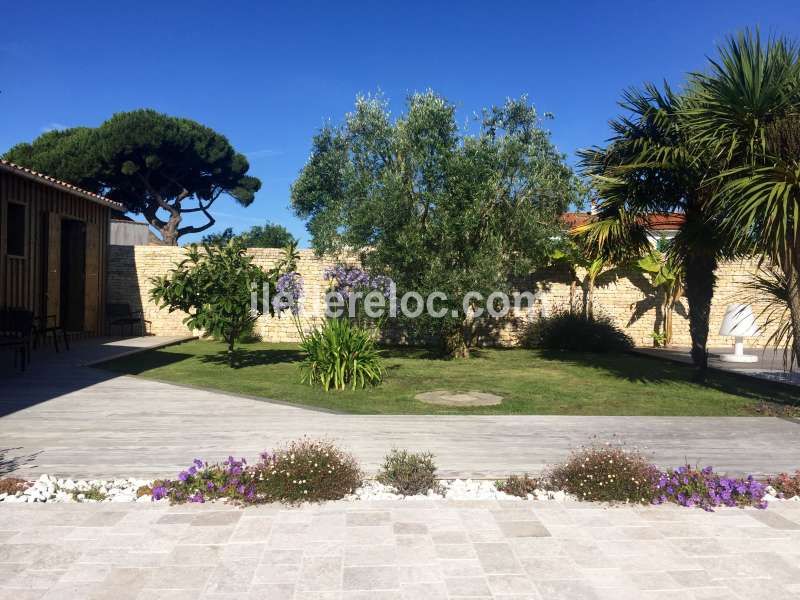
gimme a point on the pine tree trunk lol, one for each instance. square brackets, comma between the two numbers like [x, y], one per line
[700, 280]
[169, 233]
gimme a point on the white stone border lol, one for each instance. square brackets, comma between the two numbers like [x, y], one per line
[51, 489]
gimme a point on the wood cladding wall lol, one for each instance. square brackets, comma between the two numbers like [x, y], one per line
[32, 280]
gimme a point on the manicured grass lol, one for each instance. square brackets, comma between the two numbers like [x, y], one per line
[530, 381]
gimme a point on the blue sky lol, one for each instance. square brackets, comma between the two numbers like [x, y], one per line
[269, 74]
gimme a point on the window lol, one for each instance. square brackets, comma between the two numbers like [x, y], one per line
[15, 230]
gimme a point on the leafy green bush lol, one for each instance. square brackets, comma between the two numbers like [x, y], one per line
[307, 471]
[606, 474]
[340, 354]
[578, 333]
[519, 485]
[212, 285]
[409, 473]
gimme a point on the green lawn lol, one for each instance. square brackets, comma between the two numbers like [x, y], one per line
[529, 381]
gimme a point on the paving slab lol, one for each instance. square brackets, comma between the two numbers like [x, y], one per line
[689, 553]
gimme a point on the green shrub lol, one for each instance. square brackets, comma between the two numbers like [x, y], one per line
[606, 474]
[213, 286]
[306, 471]
[519, 485]
[578, 333]
[340, 354]
[409, 473]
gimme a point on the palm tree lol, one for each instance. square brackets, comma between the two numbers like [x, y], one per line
[650, 167]
[746, 115]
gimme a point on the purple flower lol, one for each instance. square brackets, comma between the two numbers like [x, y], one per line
[159, 492]
[350, 279]
[289, 291]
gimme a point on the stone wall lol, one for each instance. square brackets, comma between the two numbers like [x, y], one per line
[624, 296]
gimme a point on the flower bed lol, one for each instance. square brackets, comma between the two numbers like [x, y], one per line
[311, 470]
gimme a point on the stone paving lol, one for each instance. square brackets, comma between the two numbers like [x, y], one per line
[406, 550]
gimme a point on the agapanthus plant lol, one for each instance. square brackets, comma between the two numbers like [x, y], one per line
[347, 280]
[352, 285]
[705, 489]
[288, 293]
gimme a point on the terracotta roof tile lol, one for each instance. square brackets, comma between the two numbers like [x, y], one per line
[57, 183]
[656, 222]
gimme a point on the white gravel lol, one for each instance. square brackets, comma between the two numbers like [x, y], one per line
[51, 489]
[456, 489]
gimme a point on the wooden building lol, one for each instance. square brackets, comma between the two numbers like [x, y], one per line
[53, 244]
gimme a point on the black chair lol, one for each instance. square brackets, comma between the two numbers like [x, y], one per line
[16, 331]
[120, 314]
[49, 324]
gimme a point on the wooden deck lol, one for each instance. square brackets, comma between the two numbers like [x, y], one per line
[85, 422]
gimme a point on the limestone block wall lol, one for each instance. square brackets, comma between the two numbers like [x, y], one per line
[625, 296]
[132, 267]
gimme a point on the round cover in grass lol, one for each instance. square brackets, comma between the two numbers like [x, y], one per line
[450, 398]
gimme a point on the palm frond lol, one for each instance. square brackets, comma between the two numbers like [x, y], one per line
[770, 286]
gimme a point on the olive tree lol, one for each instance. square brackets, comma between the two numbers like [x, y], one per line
[436, 207]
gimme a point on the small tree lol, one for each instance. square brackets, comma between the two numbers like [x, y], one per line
[213, 286]
[666, 275]
[436, 207]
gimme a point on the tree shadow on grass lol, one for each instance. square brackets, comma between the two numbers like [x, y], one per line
[653, 370]
[425, 353]
[245, 357]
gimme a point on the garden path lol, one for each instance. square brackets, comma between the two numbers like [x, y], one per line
[398, 550]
